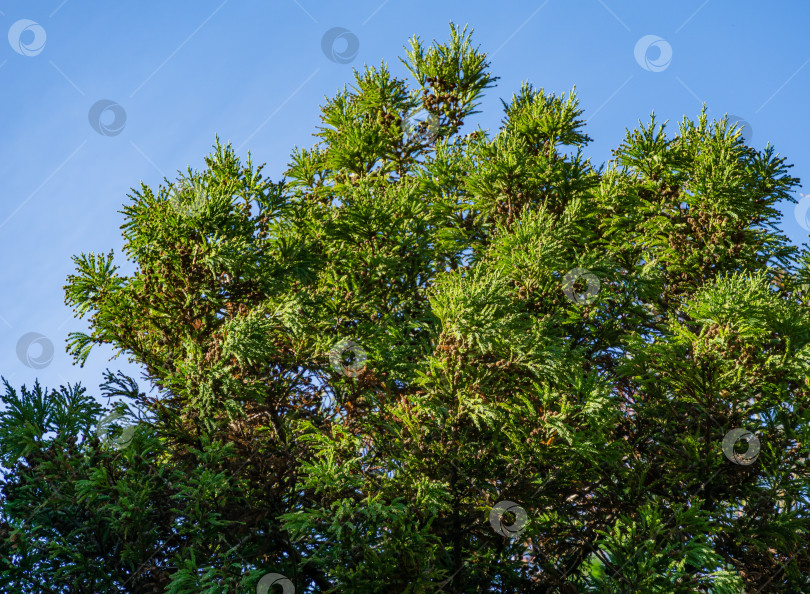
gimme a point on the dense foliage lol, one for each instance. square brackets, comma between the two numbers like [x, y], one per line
[353, 369]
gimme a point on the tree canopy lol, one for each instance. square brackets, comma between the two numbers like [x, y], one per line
[434, 361]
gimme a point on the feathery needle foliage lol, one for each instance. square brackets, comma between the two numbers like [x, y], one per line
[434, 361]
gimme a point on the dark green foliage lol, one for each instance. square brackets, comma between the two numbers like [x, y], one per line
[445, 258]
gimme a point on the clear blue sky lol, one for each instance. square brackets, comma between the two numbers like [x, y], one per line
[255, 73]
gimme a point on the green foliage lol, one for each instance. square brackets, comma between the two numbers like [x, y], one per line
[484, 371]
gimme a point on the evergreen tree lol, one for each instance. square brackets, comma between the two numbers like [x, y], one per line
[429, 361]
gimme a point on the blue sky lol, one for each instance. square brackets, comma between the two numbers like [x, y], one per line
[255, 73]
